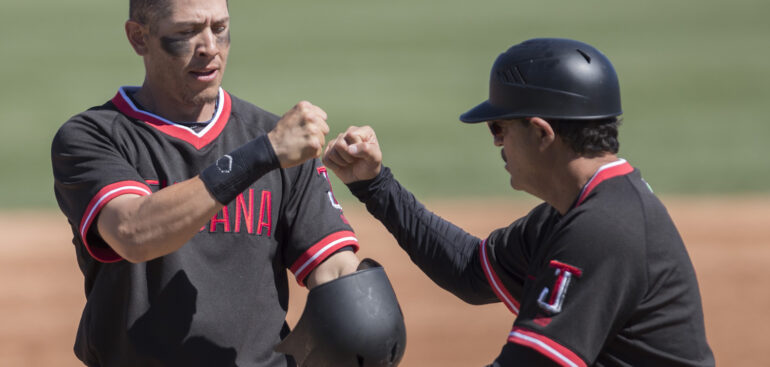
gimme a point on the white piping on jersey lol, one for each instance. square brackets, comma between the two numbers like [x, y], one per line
[320, 252]
[87, 222]
[546, 347]
[491, 276]
[602, 168]
[217, 113]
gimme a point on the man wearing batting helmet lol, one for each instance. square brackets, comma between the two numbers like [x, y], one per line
[597, 274]
[188, 205]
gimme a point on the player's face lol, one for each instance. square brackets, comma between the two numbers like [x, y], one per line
[187, 50]
[514, 137]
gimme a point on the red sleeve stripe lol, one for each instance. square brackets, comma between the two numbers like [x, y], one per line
[494, 281]
[547, 347]
[98, 202]
[320, 251]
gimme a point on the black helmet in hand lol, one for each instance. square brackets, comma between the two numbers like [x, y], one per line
[352, 321]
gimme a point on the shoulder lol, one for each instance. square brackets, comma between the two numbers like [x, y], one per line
[88, 125]
[249, 112]
[533, 226]
[525, 234]
[608, 230]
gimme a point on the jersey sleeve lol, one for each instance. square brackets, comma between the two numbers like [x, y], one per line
[316, 227]
[89, 171]
[514, 354]
[583, 290]
[506, 255]
[447, 254]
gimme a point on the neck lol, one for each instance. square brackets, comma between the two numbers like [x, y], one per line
[567, 182]
[173, 108]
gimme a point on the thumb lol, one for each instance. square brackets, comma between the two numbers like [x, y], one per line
[360, 150]
[356, 149]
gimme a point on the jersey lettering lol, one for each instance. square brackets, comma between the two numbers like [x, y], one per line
[564, 274]
[159, 183]
[265, 210]
[225, 221]
[322, 171]
[246, 210]
[244, 213]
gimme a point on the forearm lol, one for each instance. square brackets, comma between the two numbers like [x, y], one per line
[337, 265]
[142, 228]
[446, 253]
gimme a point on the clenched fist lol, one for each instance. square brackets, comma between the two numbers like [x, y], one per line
[354, 155]
[299, 134]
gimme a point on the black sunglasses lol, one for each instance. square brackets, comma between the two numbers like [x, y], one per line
[496, 128]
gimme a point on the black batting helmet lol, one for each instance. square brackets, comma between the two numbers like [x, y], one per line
[352, 321]
[550, 78]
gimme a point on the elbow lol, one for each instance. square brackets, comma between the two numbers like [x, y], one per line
[472, 291]
[475, 299]
[129, 244]
[136, 257]
[126, 231]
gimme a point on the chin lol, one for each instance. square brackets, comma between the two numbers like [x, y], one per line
[204, 97]
[516, 184]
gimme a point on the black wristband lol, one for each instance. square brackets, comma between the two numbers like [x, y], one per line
[235, 172]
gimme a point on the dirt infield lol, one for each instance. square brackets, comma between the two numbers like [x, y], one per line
[41, 292]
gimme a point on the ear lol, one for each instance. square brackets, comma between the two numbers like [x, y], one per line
[544, 132]
[136, 33]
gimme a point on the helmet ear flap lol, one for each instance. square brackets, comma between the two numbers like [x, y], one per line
[352, 321]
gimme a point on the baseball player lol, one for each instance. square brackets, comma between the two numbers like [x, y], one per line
[187, 205]
[597, 274]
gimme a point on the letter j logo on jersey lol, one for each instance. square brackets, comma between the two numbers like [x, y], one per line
[551, 300]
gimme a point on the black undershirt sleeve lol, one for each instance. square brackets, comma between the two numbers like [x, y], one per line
[443, 251]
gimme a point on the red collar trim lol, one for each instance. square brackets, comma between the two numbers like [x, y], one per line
[198, 140]
[605, 172]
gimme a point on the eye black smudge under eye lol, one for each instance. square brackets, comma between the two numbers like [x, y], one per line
[175, 47]
[224, 39]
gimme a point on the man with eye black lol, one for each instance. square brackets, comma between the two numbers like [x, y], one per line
[188, 205]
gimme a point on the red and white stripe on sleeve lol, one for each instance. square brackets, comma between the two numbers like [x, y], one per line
[317, 253]
[494, 281]
[547, 347]
[107, 193]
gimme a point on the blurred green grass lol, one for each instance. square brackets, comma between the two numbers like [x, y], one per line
[694, 78]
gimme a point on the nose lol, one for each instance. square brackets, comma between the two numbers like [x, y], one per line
[207, 46]
[497, 140]
[497, 133]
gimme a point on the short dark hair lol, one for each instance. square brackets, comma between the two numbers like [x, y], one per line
[589, 138]
[148, 11]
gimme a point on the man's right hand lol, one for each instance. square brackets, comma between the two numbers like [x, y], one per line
[354, 155]
[299, 134]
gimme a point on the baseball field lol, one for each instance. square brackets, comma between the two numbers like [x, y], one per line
[41, 292]
[694, 82]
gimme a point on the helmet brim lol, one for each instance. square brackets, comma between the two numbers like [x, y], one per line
[485, 111]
